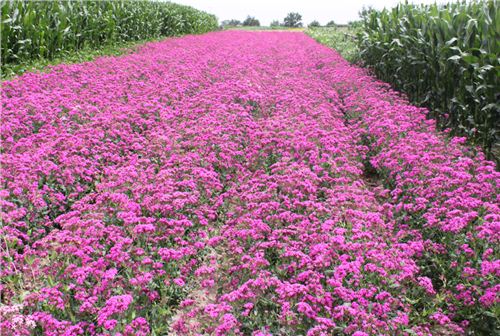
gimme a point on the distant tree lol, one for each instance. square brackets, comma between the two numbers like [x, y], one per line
[251, 21]
[232, 22]
[275, 23]
[331, 24]
[314, 24]
[293, 20]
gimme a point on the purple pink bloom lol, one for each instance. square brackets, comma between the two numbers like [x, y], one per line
[249, 183]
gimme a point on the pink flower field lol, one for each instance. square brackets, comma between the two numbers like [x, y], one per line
[239, 183]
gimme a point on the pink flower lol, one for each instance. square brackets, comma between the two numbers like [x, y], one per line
[114, 305]
[491, 296]
[261, 168]
[426, 283]
[440, 318]
[179, 282]
[359, 333]
[110, 324]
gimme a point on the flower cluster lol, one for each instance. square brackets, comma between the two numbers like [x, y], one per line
[13, 321]
[238, 183]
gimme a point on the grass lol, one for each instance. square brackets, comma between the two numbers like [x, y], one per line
[73, 56]
[342, 39]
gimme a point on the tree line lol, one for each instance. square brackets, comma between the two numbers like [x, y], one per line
[291, 20]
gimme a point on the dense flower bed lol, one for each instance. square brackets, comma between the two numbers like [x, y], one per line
[238, 183]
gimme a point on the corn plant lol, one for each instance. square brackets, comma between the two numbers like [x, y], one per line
[444, 57]
[44, 29]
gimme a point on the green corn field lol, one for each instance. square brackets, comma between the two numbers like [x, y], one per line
[45, 29]
[445, 57]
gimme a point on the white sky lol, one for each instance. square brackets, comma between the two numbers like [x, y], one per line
[267, 10]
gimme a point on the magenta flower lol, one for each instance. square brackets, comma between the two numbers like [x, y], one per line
[237, 183]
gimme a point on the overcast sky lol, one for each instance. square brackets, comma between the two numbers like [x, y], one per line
[341, 11]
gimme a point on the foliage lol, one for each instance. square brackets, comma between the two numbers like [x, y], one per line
[293, 20]
[444, 57]
[251, 21]
[232, 22]
[331, 24]
[33, 30]
[314, 24]
[275, 23]
[340, 39]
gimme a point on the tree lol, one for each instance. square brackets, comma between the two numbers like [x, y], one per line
[251, 21]
[232, 22]
[314, 24]
[293, 20]
[275, 23]
[331, 24]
